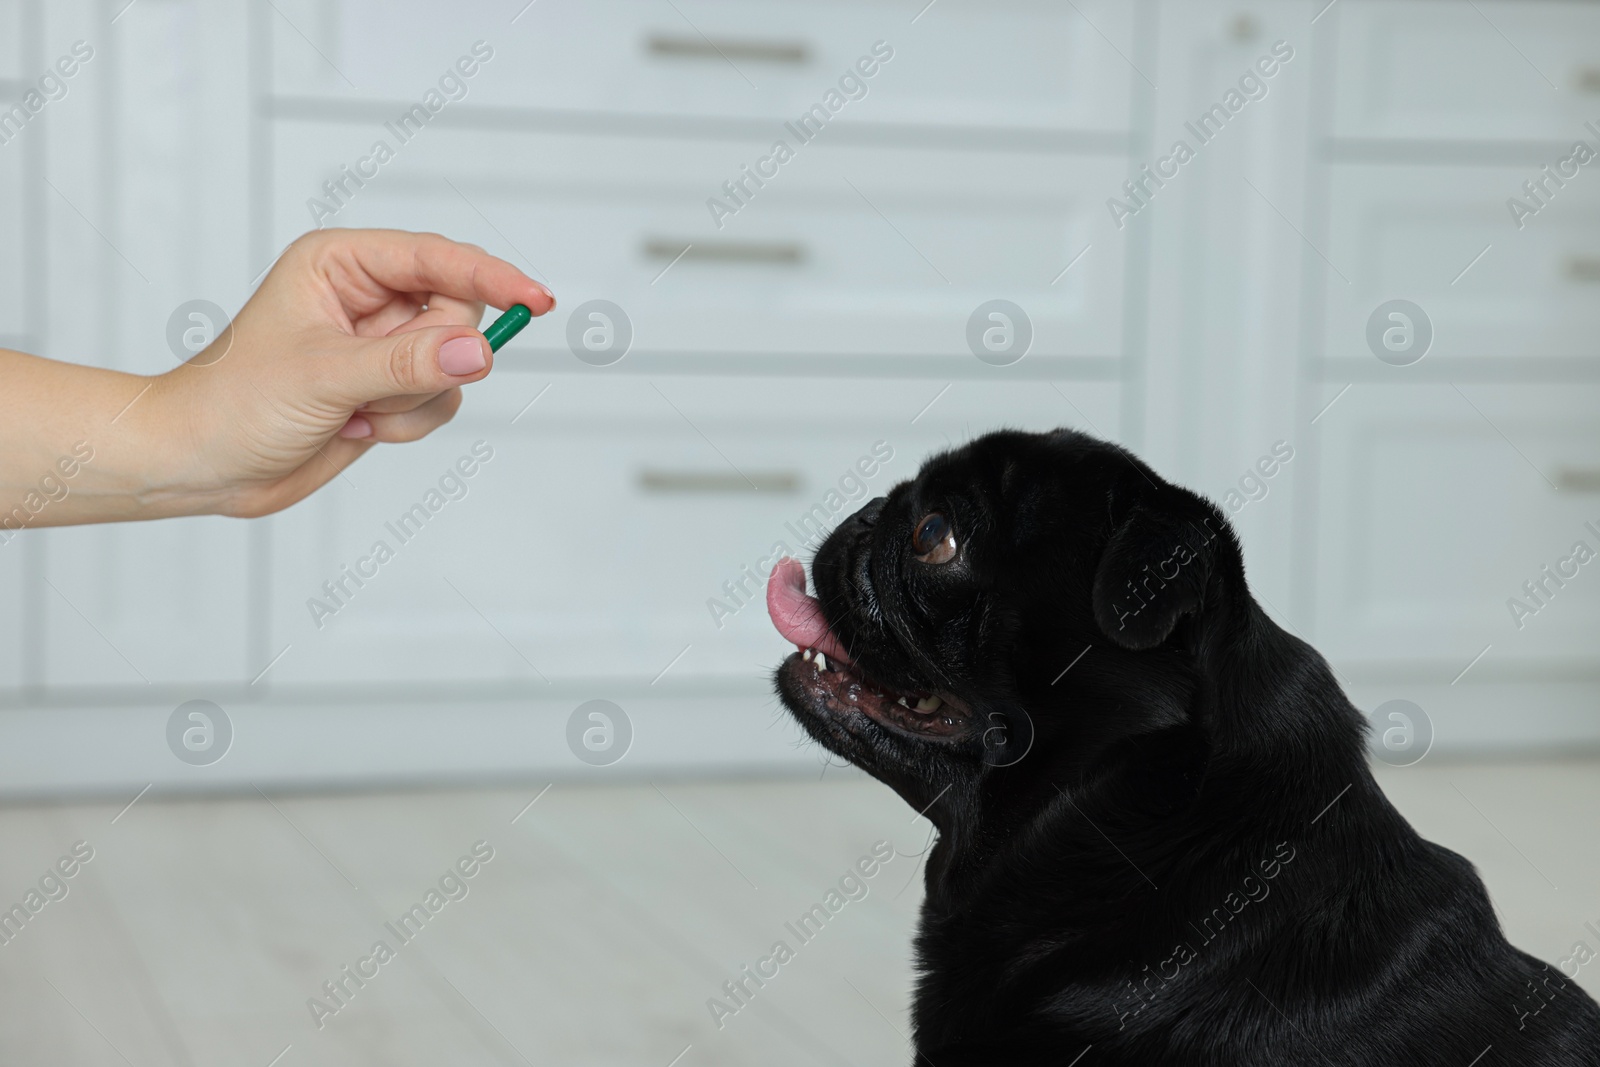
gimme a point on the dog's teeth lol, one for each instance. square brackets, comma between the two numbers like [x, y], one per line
[822, 662]
[902, 702]
[929, 704]
[806, 655]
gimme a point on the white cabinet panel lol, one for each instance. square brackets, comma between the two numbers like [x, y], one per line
[1015, 63]
[608, 519]
[849, 250]
[1223, 314]
[1414, 232]
[13, 607]
[1491, 70]
[146, 603]
[1438, 505]
[11, 43]
[179, 210]
[13, 247]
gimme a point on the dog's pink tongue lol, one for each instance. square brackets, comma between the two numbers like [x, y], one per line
[797, 616]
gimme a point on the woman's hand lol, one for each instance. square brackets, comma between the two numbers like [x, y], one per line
[355, 337]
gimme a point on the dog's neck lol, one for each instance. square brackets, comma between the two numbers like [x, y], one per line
[1257, 721]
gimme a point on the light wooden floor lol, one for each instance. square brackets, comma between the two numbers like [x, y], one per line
[596, 934]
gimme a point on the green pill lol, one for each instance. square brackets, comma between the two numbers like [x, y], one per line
[507, 326]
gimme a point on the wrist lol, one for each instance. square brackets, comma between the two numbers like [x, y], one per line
[170, 441]
[144, 464]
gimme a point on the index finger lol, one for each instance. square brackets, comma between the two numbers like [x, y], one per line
[429, 263]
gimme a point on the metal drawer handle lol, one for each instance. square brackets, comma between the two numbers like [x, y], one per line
[671, 46]
[1578, 479]
[653, 480]
[1583, 268]
[782, 253]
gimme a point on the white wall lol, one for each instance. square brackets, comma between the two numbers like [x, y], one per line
[828, 314]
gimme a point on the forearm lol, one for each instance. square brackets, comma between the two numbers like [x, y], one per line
[81, 444]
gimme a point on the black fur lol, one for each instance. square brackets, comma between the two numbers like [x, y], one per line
[1174, 852]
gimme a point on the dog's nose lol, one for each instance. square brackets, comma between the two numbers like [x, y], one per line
[868, 515]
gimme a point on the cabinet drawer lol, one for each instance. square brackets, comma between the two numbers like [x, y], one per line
[1014, 63]
[1410, 232]
[146, 602]
[596, 539]
[1431, 71]
[1432, 516]
[847, 250]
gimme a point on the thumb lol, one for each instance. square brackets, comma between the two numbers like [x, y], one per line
[422, 361]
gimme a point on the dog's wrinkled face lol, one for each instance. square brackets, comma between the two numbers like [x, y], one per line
[949, 613]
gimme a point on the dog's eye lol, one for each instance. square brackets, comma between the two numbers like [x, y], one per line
[934, 542]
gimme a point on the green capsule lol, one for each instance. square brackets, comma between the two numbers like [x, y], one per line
[507, 326]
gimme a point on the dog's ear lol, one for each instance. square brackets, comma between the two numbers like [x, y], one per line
[1157, 565]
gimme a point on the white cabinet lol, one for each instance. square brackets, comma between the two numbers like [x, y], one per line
[1221, 324]
[1444, 74]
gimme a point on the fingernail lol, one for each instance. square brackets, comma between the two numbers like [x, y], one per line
[356, 427]
[462, 355]
[546, 290]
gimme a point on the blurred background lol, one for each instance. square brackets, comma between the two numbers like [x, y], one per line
[1357, 307]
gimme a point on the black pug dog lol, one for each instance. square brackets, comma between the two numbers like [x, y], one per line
[1159, 840]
